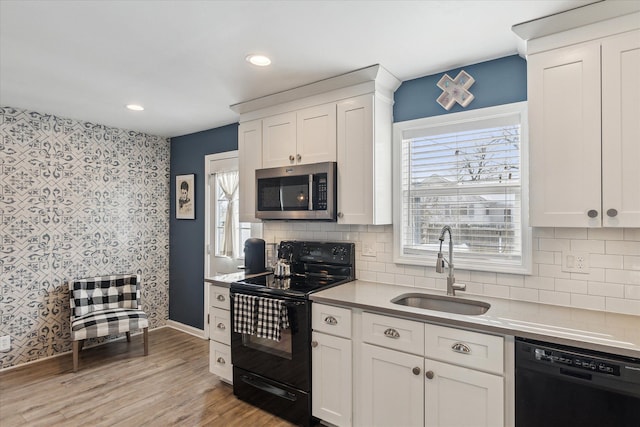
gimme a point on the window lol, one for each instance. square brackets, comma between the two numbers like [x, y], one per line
[229, 240]
[466, 170]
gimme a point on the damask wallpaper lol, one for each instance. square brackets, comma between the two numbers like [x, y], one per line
[77, 199]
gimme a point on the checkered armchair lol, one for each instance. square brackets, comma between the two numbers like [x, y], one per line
[106, 305]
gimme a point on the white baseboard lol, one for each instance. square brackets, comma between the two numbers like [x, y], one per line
[186, 328]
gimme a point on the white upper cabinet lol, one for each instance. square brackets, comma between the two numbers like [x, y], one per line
[584, 105]
[621, 130]
[364, 160]
[250, 159]
[564, 121]
[300, 137]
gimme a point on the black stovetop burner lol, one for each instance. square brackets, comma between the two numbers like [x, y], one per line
[314, 266]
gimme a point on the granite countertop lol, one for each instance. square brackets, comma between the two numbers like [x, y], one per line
[595, 330]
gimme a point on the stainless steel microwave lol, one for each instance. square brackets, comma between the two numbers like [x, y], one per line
[303, 192]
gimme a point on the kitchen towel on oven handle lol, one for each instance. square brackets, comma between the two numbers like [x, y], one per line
[244, 314]
[272, 318]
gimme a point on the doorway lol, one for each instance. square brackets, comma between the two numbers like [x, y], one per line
[225, 234]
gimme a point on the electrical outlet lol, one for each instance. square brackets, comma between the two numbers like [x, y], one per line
[368, 247]
[575, 262]
[5, 343]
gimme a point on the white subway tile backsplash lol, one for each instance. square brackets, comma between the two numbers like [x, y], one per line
[629, 277]
[554, 245]
[611, 283]
[606, 289]
[589, 246]
[570, 233]
[590, 302]
[555, 298]
[606, 261]
[615, 247]
[631, 263]
[605, 233]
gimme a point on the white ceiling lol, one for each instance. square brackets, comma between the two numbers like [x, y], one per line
[185, 60]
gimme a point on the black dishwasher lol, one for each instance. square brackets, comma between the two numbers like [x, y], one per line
[567, 386]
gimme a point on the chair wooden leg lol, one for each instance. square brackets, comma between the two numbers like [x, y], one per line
[128, 336]
[145, 334]
[76, 351]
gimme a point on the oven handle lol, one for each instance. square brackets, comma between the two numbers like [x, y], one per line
[269, 388]
[287, 301]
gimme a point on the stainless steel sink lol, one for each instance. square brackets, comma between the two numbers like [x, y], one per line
[443, 303]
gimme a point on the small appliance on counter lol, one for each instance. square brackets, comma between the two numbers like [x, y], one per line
[254, 256]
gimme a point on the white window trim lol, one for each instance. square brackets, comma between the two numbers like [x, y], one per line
[451, 119]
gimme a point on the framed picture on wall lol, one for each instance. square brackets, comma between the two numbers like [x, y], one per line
[185, 197]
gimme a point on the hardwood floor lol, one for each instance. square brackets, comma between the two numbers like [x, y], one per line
[117, 386]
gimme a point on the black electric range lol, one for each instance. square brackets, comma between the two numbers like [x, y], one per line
[275, 375]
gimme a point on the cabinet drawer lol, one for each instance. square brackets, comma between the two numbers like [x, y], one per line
[220, 325]
[397, 334]
[219, 297]
[220, 361]
[332, 320]
[465, 348]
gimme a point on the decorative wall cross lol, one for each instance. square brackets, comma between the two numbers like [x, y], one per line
[455, 90]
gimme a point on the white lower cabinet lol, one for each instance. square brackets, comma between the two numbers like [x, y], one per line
[391, 388]
[331, 374]
[331, 364]
[219, 328]
[457, 396]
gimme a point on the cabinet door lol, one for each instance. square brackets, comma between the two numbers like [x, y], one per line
[316, 134]
[564, 117]
[392, 392]
[621, 130]
[331, 379]
[220, 361]
[355, 160]
[457, 396]
[279, 140]
[250, 159]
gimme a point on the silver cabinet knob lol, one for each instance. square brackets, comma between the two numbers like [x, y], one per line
[314, 344]
[298, 157]
[220, 297]
[416, 371]
[392, 333]
[221, 326]
[340, 214]
[592, 213]
[220, 360]
[612, 213]
[291, 158]
[429, 375]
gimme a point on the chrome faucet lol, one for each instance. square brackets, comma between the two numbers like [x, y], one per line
[452, 287]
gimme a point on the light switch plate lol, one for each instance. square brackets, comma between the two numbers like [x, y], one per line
[368, 246]
[5, 343]
[575, 262]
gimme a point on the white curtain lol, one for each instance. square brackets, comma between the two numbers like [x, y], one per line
[229, 184]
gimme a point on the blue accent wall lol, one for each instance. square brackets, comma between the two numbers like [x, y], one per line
[186, 237]
[497, 82]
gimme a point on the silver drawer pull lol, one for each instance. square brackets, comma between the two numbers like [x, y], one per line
[220, 360]
[221, 326]
[330, 320]
[461, 348]
[220, 297]
[391, 333]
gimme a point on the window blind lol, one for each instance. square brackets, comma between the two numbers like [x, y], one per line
[465, 174]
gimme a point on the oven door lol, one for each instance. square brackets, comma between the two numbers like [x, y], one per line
[287, 361]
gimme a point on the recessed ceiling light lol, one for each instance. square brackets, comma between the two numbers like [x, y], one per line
[259, 60]
[135, 107]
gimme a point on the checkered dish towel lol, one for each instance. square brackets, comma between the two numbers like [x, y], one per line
[272, 318]
[244, 314]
